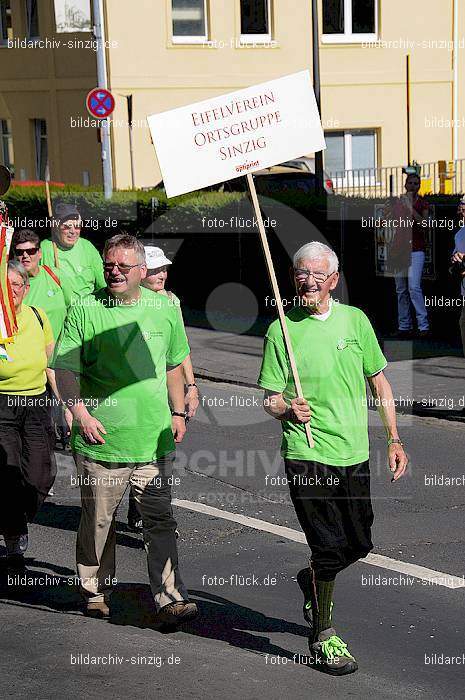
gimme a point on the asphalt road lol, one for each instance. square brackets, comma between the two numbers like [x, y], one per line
[251, 639]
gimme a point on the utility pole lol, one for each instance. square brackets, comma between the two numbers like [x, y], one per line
[131, 147]
[317, 84]
[99, 33]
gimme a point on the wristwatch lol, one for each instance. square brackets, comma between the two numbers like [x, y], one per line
[181, 414]
[395, 441]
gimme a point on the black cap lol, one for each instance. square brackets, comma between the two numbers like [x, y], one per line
[65, 211]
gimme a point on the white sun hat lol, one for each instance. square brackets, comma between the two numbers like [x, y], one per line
[155, 257]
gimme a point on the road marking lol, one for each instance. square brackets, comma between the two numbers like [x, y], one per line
[420, 572]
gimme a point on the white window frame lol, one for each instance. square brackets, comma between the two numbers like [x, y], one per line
[348, 37]
[349, 179]
[258, 38]
[191, 39]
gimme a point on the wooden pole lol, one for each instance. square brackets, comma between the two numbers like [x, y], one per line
[277, 296]
[47, 190]
[408, 109]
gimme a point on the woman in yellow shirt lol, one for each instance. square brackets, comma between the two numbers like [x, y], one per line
[26, 435]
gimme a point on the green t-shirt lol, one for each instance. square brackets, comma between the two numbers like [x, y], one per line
[80, 268]
[121, 353]
[48, 295]
[333, 358]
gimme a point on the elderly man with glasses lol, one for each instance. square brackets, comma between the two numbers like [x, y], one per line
[117, 363]
[336, 350]
[78, 261]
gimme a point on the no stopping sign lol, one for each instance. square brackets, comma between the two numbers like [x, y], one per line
[100, 103]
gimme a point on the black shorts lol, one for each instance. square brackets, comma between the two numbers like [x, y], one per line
[333, 505]
[27, 461]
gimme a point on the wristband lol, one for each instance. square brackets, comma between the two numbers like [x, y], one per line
[181, 414]
[192, 384]
[395, 441]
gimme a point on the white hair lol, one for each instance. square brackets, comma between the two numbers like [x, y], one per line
[16, 266]
[315, 249]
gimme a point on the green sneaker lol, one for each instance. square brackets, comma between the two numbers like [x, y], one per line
[331, 655]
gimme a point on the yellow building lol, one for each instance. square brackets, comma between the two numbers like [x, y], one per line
[167, 53]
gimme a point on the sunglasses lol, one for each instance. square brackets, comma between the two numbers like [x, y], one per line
[19, 252]
[124, 269]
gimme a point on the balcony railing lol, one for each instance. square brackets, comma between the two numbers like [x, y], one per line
[389, 182]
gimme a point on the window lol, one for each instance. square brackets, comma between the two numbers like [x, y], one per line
[32, 19]
[255, 21]
[6, 31]
[41, 147]
[351, 151]
[350, 21]
[6, 145]
[189, 21]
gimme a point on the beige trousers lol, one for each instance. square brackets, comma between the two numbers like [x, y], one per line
[102, 488]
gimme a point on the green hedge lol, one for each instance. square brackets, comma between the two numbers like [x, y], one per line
[132, 210]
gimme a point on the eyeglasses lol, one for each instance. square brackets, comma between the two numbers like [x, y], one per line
[19, 252]
[17, 285]
[156, 270]
[319, 277]
[124, 269]
[74, 224]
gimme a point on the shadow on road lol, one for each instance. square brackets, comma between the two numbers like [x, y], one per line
[220, 619]
[62, 517]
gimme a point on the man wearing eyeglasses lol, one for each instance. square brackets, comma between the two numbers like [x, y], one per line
[78, 261]
[336, 350]
[127, 360]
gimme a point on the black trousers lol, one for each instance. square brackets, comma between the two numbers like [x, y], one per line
[27, 461]
[333, 505]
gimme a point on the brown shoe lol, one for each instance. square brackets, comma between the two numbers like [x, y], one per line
[177, 613]
[98, 609]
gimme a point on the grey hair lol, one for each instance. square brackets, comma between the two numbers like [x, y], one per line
[315, 249]
[124, 240]
[16, 266]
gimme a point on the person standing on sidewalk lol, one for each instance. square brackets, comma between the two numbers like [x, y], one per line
[157, 274]
[458, 265]
[126, 346]
[336, 350]
[406, 256]
[78, 261]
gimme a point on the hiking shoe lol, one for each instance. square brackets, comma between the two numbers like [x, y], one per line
[16, 545]
[177, 613]
[331, 655]
[98, 609]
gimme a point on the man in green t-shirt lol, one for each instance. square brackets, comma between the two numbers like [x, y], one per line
[116, 365]
[336, 350]
[78, 261]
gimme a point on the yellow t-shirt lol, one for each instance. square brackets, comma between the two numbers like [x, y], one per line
[25, 374]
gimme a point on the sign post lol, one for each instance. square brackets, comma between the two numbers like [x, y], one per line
[277, 296]
[237, 134]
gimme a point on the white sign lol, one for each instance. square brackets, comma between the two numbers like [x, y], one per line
[238, 133]
[72, 16]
